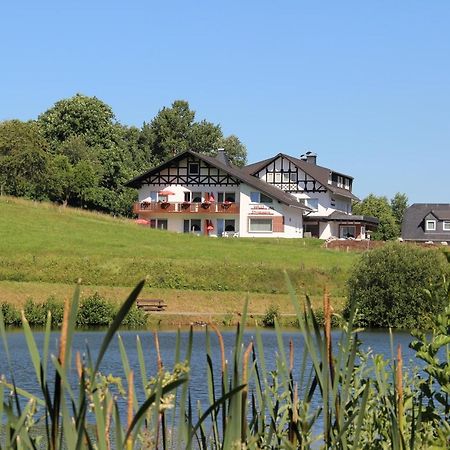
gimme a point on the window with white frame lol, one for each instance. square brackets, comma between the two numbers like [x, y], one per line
[278, 177]
[340, 181]
[260, 225]
[446, 225]
[430, 225]
[269, 177]
[259, 197]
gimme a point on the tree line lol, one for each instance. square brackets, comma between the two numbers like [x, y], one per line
[77, 153]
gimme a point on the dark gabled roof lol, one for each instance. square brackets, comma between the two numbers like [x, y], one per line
[319, 173]
[412, 226]
[262, 186]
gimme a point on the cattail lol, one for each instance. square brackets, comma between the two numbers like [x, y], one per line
[108, 423]
[221, 344]
[245, 391]
[64, 330]
[158, 353]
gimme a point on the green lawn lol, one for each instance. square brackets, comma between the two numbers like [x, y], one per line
[48, 244]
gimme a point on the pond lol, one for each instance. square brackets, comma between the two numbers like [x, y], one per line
[378, 341]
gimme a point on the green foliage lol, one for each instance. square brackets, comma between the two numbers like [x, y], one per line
[399, 205]
[136, 318]
[79, 116]
[346, 399]
[35, 313]
[388, 286]
[56, 309]
[95, 311]
[10, 314]
[271, 315]
[380, 208]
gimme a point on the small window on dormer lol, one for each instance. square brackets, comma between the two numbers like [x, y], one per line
[194, 168]
[430, 225]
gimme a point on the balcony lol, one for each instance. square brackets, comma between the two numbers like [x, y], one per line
[152, 208]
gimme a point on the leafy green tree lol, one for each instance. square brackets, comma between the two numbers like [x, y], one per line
[85, 117]
[168, 133]
[399, 205]
[389, 286]
[204, 137]
[380, 208]
[24, 162]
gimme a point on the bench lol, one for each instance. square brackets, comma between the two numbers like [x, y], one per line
[151, 304]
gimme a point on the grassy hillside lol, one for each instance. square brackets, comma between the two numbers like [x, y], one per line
[41, 243]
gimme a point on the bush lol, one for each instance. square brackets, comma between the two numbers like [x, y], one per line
[56, 309]
[35, 313]
[95, 311]
[389, 286]
[136, 318]
[11, 316]
[272, 313]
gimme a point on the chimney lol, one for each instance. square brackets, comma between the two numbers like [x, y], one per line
[223, 157]
[311, 158]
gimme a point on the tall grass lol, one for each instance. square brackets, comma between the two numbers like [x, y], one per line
[319, 397]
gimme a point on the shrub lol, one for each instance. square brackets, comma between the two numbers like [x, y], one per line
[11, 316]
[272, 313]
[389, 286]
[95, 311]
[136, 318]
[35, 313]
[56, 309]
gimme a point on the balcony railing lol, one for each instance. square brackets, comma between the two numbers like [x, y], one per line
[149, 208]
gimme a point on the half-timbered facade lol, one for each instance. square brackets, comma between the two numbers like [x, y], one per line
[206, 195]
[326, 192]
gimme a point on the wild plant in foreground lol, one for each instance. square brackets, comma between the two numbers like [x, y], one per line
[318, 397]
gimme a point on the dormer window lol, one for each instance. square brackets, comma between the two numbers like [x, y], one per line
[446, 225]
[194, 168]
[430, 225]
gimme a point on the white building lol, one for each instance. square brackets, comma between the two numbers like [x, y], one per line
[279, 197]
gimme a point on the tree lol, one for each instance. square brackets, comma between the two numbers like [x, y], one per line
[85, 117]
[389, 286]
[204, 137]
[170, 129]
[399, 205]
[380, 208]
[24, 162]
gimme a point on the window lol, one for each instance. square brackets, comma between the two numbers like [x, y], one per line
[161, 224]
[194, 168]
[230, 225]
[269, 178]
[260, 225]
[278, 177]
[348, 231]
[446, 226]
[293, 177]
[187, 196]
[430, 225]
[196, 197]
[226, 197]
[340, 181]
[192, 225]
[346, 183]
[259, 197]
[313, 203]
[286, 177]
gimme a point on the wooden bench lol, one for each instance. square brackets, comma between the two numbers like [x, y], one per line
[151, 304]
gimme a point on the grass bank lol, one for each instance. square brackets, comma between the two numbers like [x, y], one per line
[47, 248]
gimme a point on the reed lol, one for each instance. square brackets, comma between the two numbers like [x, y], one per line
[320, 395]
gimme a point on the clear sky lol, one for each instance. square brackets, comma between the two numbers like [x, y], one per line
[364, 84]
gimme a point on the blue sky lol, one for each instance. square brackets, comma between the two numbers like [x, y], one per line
[364, 84]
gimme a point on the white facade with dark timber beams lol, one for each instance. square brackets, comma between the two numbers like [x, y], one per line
[195, 193]
[326, 192]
